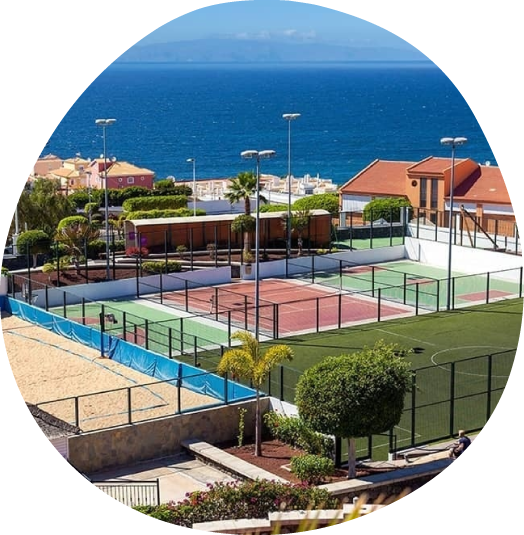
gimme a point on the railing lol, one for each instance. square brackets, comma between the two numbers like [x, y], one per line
[132, 493]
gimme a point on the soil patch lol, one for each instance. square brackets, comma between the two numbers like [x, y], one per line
[276, 456]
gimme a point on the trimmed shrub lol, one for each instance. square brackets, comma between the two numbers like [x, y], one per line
[168, 202]
[293, 431]
[71, 221]
[158, 266]
[155, 214]
[312, 469]
[321, 201]
[387, 209]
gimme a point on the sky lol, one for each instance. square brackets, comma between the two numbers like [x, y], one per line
[276, 20]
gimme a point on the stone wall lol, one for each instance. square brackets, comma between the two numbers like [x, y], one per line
[111, 448]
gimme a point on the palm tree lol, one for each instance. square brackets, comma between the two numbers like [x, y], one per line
[249, 363]
[242, 188]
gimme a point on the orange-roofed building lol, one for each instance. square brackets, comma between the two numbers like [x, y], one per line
[479, 189]
[119, 175]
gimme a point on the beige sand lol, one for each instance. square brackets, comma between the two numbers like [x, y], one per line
[48, 367]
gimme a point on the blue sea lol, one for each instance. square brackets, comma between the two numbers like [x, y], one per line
[351, 114]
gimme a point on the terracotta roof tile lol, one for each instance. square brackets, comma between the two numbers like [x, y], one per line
[379, 178]
[485, 185]
[125, 168]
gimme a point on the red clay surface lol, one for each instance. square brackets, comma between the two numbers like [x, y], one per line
[481, 296]
[285, 306]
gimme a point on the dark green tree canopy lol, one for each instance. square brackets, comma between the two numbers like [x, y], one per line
[355, 395]
[322, 201]
[386, 208]
[243, 223]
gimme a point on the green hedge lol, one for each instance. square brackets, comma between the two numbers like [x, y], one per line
[312, 469]
[156, 214]
[159, 266]
[169, 202]
[321, 201]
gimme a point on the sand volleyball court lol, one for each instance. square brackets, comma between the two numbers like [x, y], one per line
[48, 367]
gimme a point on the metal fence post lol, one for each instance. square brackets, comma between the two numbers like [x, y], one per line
[452, 401]
[413, 407]
[489, 386]
[129, 411]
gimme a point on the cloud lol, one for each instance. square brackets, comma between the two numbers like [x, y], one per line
[267, 35]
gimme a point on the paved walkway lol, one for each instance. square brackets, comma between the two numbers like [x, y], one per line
[177, 475]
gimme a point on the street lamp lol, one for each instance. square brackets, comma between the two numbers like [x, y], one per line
[14, 248]
[289, 117]
[452, 142]
[104, 123]
[193, 161]
[257, 155]
[88, 175]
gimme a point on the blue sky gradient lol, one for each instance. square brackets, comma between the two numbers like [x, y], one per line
[277, 20]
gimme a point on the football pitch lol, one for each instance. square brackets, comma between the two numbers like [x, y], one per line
[461, 361]
[449, 336]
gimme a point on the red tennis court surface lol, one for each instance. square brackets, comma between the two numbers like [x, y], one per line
[481, 296]
[285, 306]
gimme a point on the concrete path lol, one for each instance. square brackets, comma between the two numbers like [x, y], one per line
[177, 475]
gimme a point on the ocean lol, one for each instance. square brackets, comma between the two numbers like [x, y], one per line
[351, 114]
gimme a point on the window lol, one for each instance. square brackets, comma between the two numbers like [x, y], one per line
[434, 194]
[130, 179]
[423, 192]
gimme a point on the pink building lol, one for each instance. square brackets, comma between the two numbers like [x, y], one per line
[119, 175]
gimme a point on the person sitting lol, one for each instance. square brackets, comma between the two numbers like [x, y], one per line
[459, 447]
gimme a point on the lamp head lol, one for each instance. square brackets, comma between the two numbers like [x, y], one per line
[290, 116]
[453, 141]
[105, 122]
[267, 154]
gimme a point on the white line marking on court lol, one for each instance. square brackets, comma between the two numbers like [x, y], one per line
[500, 348]
[407, 337]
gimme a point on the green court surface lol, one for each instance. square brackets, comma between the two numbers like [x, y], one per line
[166, 330]
[448, 336]
[417, 284]
[462, 360]
[374, 243]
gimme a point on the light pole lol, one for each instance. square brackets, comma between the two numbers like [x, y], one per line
[17, 232]
[452, 142]
[289, 117]
[257, 155]
[88, 175]
[193, 161]
[104, 123]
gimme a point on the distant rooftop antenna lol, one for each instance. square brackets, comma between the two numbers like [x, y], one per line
[488, 163]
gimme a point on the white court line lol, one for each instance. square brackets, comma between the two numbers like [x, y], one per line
[407, 337]
[500, 348]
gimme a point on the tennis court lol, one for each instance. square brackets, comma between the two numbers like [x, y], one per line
[148, 324]
[420, 284]
[285, 306]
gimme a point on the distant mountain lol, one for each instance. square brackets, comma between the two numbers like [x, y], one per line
[252, 51]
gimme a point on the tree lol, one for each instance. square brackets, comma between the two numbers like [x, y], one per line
[43, 206]
[33, 242]
[248, 362]
[356, 395]
[320, 201]
[299, 223]
[387, 209]
[246, 224]
[75, 233]
[242, 188]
